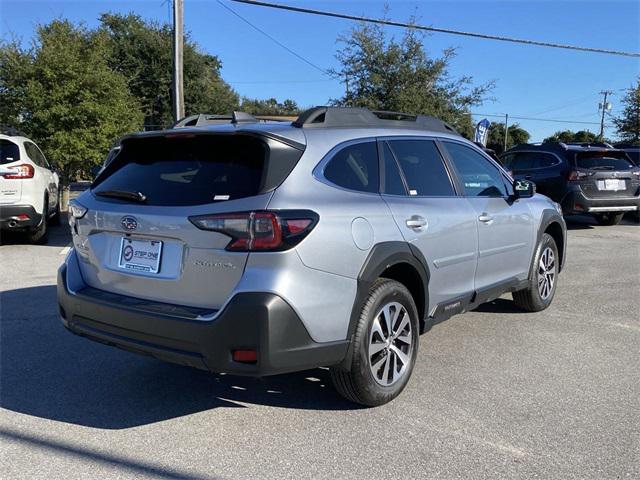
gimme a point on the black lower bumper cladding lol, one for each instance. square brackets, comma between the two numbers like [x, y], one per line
[10, 217]
[260, 321]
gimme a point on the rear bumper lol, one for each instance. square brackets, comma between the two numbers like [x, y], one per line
[261, 321]
[10, 217]
[576, 202]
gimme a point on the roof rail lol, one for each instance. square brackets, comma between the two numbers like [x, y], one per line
[590, 144]
[328, 117]
[208, 119]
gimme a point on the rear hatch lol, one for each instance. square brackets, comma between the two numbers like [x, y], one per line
[606, 174]
[10, 188]
[136, 238]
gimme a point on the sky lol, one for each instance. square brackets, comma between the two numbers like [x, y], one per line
[531, 81]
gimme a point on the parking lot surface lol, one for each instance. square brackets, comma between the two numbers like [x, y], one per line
[495, 392]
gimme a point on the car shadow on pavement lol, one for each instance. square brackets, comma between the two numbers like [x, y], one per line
[59, 235]
[46, 371]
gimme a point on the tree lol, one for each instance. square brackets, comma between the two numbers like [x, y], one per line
[515, 136]
[383, 74]
[142, 52]
[628, 123]
[269, 107]
[62, 93]
[567, 136]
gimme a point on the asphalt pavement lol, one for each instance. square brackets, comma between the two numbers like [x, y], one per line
[496, 393]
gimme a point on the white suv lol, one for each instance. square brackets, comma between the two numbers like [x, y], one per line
[28, 188]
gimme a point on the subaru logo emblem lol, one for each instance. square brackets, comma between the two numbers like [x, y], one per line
[129, 223]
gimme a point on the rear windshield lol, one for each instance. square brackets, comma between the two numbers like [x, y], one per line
[187, 169]
[603, 161]
[634, 155]
[9, 152]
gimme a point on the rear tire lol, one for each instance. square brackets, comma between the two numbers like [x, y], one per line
[55, 218]
[40, 234]
[385, 346]
[542, 286]
[609, 219]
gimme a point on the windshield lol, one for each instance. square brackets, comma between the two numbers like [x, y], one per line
[606, 160]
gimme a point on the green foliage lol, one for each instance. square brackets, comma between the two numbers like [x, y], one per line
[628, 123]
[269, 107]
[516, 135]
[62, 93]
[567, 136]
[394, 75]
[142, 52]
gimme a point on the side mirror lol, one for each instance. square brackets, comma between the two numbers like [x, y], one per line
[524, 188]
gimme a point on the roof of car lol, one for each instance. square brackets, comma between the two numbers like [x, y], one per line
[340, 122]
[563, 147]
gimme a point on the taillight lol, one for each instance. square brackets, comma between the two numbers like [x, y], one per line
[576, 175]
[22, 171]
[260, 230]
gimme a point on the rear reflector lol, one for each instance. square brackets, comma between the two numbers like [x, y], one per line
[245, 356]
[23, 216]
[260, 230]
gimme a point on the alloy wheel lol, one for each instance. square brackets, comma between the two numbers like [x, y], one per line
[546, 273]
[390, 344]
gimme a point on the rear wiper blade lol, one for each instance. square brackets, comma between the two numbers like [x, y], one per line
[123, 194]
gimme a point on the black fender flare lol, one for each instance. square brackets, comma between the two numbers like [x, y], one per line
[382, 256]
[550, 216]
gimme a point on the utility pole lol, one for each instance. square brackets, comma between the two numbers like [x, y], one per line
[604, 107]
[178, 46]
[506, 130]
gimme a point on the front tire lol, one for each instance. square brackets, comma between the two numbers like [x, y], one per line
[385, 346]
[608, 219]
[542, 286]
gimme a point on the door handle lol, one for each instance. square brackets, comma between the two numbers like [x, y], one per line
[416, 222]
[485, 218]
[528, 177]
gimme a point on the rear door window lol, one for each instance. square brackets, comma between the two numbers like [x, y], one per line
[423, 168]
[187, 170]
[603, 161]
[393, 183]
[355, 167]
[9, 152]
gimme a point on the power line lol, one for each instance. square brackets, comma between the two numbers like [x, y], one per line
[434, 29]
[260, 82]
[274, 39]
[555, 120]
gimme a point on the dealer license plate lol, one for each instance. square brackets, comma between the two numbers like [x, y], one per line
[140, 255]
[612, 184]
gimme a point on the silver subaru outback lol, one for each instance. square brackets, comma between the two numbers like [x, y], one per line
[256, 248]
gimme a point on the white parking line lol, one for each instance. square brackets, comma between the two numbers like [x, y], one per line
[65, 250]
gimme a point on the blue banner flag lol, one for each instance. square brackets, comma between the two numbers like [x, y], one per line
[482, 131]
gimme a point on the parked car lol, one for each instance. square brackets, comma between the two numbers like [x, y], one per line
[595, 179]
[264, 248]
[29, 198]
[633, 151]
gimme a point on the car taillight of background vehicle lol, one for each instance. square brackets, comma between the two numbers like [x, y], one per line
[575, 175]
[21, 171]
[260, 230]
